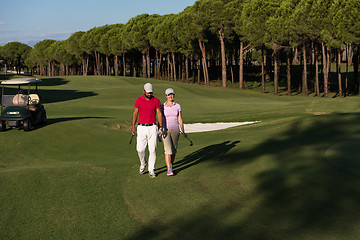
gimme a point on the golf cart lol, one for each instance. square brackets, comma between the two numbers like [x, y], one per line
[22, 107]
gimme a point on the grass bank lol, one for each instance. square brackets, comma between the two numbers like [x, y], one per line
[77, 177]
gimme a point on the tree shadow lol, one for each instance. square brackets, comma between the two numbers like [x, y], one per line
[297, 194]
[6, 76]
[53, 96]
[52, 121]
[48, 82]
[212, 152]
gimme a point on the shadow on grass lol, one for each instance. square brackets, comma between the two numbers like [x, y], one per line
[52, 82]
[52, 121]
[58, 120]
[297, 193]
[215, 151]
[6, 76]
[53, 96]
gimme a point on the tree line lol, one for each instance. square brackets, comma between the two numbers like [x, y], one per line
[214, 40]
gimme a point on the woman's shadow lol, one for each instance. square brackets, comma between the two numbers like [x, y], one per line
[203, 154]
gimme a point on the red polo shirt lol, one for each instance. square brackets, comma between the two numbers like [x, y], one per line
[147, 109]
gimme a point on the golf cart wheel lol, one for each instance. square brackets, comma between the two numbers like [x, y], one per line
[2, 126]
[44, 118]
[27, 125]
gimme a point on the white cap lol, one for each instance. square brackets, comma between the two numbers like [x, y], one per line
[148, 87]
[169, 91]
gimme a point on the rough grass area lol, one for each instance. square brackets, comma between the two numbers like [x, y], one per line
[286, 177]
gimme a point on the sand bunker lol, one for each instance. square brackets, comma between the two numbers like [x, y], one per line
[207, 127]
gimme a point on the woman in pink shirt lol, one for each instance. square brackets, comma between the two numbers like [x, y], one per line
[172, 121]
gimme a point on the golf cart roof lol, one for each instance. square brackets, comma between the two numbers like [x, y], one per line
[19, 81]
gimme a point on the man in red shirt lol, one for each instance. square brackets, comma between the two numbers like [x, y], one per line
[147, 107]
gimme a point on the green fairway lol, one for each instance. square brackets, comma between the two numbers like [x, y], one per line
[293, 175]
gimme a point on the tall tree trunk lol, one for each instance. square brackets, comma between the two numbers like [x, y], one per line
[170, 70]
[204, 62]
[230, 62]
[356, 71]
[116, 65]
[94, 69]
[296, 58]
[182, 67]
[276, 75]
[102, 70]
[97, 63]
[119, 64]
[288, 73]
[312, 69]
[328, 55]
[232, 74]
[49, 69]
[317, 87]
[339, 73]
[107, 65]
[156, 72]
[241, 66]
[62, 69]
[325, 70]
[133, 67]
[144, 69]
[198, 72]
[173, 66]
[348, 62]
[305, 90]
[159, 65]
[262, 70]
[302, 76]
[85, 64]
[124, 64]
[187, 69]
[268, 66]
[148, 66]
[223, 57]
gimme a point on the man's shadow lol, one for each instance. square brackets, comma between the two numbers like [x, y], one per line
[210, 152]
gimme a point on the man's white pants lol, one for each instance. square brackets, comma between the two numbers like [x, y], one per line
[147, 135]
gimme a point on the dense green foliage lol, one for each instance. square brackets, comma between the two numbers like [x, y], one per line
[210, 40]
[14, 54]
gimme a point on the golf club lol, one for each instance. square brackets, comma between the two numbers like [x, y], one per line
[131, 138]
[191, 143]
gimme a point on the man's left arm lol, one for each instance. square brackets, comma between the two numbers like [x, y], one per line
[159, 116]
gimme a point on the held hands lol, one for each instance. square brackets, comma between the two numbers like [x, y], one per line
[162, 132]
